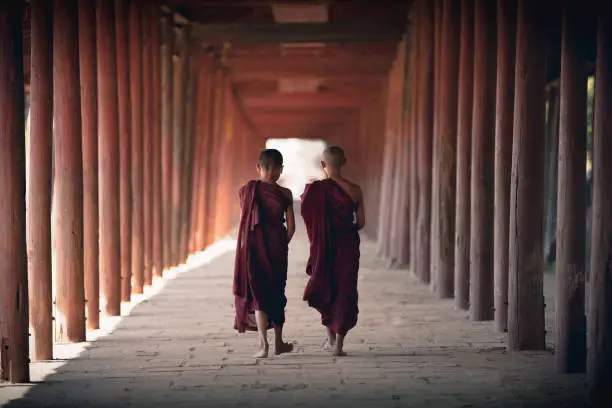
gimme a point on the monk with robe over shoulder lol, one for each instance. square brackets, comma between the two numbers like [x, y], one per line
[333, 213]
[260, 268]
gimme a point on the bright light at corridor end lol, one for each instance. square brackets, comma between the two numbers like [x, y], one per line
[302, 159]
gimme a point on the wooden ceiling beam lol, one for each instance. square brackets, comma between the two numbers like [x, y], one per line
[303, 101]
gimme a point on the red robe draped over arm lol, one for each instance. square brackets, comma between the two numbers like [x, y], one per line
[333, 265]
[260, 267]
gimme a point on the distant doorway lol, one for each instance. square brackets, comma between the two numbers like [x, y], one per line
[302, 158]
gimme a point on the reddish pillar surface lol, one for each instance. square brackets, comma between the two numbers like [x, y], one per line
[483, 142]
[147, 144]
[166, 142]
[599, 354]
[180, 71]
[13, 269]
[386, 191]
[464, 157]
[445, 153]
[68, 183]
[425, 112]
[158, 255]
[125, 145]
[39, 161]
[108, 138]
[415, 36]
[136, 103]
[504, 115]
[89, 123]
[214, 157]
[525, 295]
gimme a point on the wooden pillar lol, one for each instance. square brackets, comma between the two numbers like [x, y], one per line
[483, 139]
[599, 354]
[158, 255]
[180, 71]
[425, 112]
[136, 101]
[125, 145]
[68, 183]
[464, 157]
[214, 158]
[415, 38]
[525, 295]
[166, 143]
[13, 269]
[89, 120]
[445, 153]
[109, 160]
[504, 115]
[147, 144]
[386, 183]
[38, 213]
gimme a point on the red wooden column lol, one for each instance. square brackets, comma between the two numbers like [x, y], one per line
[13, 252]
[570, 319]
[215, 157]
[464, 157]
[109, 160]
[180, 72]
[89, 120]
[68, 183]
[147, 143]
[125, 145]
[445, 153]
[158, 255]
[483, 140]
[166, 142]
[504, 115]
[38, 215]
[525, 295]
[136, 103]
[415, 38]
[425, 112]
[599, 350]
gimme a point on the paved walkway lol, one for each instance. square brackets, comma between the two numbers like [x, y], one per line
[178, 349]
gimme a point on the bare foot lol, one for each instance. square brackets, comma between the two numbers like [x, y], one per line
[263, 353]
[283, 348]
[339, 353]
[328, 346]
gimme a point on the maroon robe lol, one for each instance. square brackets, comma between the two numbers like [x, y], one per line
[328, 213]
[260, 269]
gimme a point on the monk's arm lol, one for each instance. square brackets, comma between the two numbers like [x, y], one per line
[360, 210]
[290, 220]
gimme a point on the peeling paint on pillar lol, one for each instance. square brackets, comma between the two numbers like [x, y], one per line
[13, 252]
[125, 151]
[39, 161]
[464, 152]
[68, 182]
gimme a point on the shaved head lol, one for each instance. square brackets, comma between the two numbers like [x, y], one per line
[334, 157]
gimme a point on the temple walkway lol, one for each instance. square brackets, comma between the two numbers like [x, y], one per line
[177, 348]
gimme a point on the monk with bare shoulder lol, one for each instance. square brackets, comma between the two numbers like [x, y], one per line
[333, 212]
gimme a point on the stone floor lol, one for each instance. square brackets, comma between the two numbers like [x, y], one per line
[177, 348]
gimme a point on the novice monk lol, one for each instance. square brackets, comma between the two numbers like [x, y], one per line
[333, 213]
[260, 270]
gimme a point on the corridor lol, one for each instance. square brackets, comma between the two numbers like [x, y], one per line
[178, 349]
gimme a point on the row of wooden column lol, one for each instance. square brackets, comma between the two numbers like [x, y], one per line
[127, 119]
[476, 80]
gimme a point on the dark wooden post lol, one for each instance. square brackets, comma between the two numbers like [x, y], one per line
[180, 71]
[504, 115]
[464, 156]
[570, 319]
[13, 248]
[599, 350]
[158, 255]
[425, 112]
[386, 184]
[214, 158]
[525, 295]
[68, 183]
[445, 154]
[38, 189]
[108, 138]
[147, 143]
[125, 144]
[166, 143]
[89, 120]
[415, 38]
[136, 100]
[483, 138]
